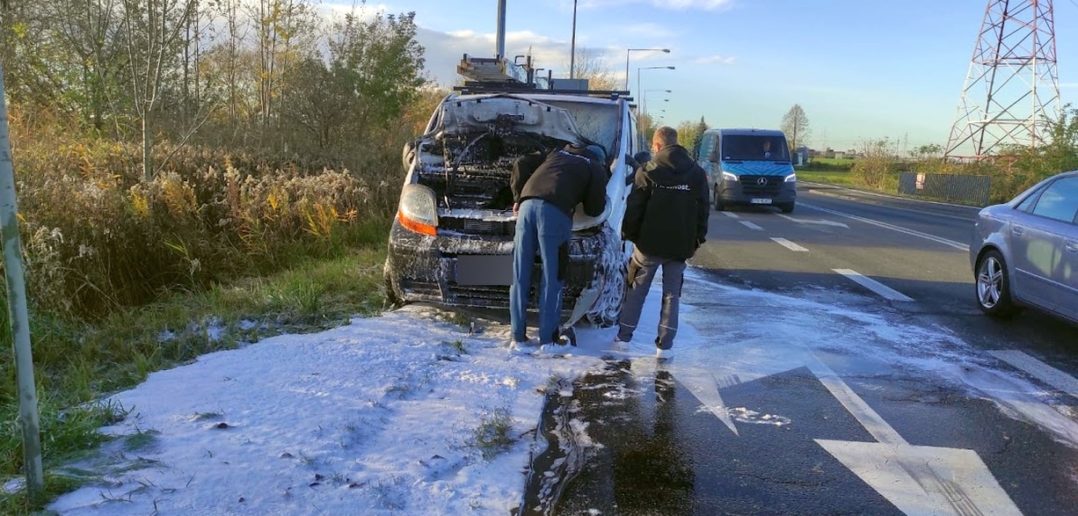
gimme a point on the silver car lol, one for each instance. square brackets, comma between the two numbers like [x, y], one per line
[1025, 252]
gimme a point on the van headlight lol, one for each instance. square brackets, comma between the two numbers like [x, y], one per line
[791, 178]
[726, 176]
[418, 210]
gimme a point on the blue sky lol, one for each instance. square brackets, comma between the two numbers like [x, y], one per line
[861, 69]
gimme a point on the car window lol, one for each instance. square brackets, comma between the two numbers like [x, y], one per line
[1059, 201]
[1027, 204]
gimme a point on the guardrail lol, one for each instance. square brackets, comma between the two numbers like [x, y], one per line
[973, 190]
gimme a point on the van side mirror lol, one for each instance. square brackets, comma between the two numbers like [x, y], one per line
[408, 155]
[642, 158]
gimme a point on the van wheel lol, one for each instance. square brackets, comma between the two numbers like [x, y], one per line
[393, 298]
[718, 201]
[787, 208]
[993, 286]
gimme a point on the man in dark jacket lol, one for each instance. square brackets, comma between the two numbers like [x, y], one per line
[545, 196]
[666, 218]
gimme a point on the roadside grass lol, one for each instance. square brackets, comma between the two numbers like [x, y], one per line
[827, 170]
[78, 362]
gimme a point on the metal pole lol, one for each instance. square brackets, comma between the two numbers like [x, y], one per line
[572, 46]
[17, 313]
[627, 69]
[500, 41]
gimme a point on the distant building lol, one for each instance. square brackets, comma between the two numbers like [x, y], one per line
[801, 156]
[839, 154]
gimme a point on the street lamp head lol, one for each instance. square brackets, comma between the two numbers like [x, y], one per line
[671, 68]
[667, 50]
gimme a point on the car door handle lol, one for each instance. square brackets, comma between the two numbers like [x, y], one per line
[1018, 230]
[1071, 246]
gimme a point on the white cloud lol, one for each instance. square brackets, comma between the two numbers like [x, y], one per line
[1068, 85]
[716, 59]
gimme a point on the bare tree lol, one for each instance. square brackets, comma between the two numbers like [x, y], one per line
[796, 126]
[152, 33]
[590, 65]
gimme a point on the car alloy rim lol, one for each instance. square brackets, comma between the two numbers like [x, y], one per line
[990, 282]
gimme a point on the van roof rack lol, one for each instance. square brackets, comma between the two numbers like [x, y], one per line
[498, 75]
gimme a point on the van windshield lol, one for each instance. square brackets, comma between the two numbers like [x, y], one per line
[597, 122]
[744, 147]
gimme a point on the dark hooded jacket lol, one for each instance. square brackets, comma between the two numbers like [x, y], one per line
[667, 210]
[566, 177]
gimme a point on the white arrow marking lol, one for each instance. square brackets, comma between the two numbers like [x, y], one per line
[925, 480]
[1044, 372]
[702, 384]
[916, 479]
[817, 222]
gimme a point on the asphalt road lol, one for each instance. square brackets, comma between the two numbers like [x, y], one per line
[906, 399]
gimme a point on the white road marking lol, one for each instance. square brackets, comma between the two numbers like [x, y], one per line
[1043, 372]
[790, 245]
[879, 288]
[891, 197]
[731, 215]
[705, 387]
[917, 479]
[864, 414]
[750, 225]
[925, 480]
[892, 227]
[817, 222]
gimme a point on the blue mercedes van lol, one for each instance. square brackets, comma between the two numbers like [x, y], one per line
[748, 167]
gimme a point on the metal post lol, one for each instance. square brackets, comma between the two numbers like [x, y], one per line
[572, 46]
[500, 41]
[16, 302]
[627, 69]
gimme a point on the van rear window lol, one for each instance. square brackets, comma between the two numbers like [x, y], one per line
[745, 147]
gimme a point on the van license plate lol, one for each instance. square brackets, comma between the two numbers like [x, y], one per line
[761, 201]
[485, 270]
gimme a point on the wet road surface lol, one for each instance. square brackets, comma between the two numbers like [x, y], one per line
[798, 390]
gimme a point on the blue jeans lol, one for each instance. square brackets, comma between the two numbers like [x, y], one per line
[541, 227]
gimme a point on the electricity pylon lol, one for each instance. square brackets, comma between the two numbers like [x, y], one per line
[1011, 95]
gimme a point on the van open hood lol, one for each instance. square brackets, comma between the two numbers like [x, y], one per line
[481, 112]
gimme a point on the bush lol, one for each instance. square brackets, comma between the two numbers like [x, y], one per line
[97, 236]
[877, 167]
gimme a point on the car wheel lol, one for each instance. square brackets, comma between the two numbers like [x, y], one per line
[787, 208]
[993, 285]
[393, 298]
[718, 201]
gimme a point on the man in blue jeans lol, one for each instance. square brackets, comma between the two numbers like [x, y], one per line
[545, 195]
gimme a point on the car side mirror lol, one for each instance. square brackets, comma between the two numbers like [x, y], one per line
[641, 158]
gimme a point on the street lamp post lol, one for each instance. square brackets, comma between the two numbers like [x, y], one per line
[572, 46]
[627, 51]
[639, 89]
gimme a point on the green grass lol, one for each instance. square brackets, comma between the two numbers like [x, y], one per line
[78, 362]
[492, 437]
[824, 170]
